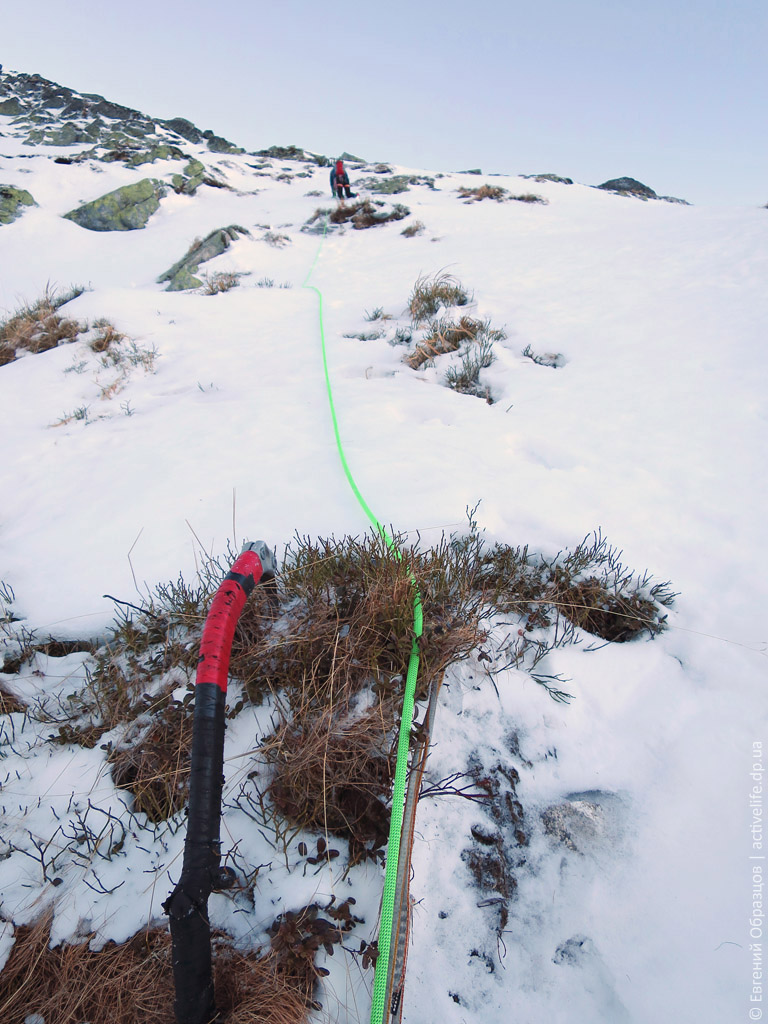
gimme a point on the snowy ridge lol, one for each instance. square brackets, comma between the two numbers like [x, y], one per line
[633, 898]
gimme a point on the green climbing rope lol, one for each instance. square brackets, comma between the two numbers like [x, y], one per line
[403, 743]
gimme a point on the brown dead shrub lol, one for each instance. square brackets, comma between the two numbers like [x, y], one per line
[367, 213]
[332, 773]
[296, 938]
[617, 617]
[133, 981]
[589, 586]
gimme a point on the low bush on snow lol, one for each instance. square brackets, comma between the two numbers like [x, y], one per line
[39, 326]
[326, 645]
[222, 281]
[366, 213]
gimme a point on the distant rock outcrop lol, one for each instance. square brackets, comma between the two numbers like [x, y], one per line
[393, 185]
[285, 153]
[632, 187]
[137, 157]
[628, 186]
[550, 177]
[182, 274]
[126, 209]
[53, 115]
[13, 202]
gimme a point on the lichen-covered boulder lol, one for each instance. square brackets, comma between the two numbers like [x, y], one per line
[126, 209]
[148, 156]
[191, 179]
[182, 274]
[13, 202]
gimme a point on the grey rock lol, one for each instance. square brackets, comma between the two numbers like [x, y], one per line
[574, 950]
[628, 186]
[283, 153]
[181, 126]
[133, 155]
[631, 187]
[549, 177]
[181, 275]
[672, 199]
[125, 209]
[586, 820]
[64, 135]
[106, 108]
[11, 107]
[217, 144]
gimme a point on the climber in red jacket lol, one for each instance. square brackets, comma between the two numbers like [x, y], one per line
[340, 182]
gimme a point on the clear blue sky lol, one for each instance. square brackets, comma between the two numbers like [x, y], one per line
[673, 93]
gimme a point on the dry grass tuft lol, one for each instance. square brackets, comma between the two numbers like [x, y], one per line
[133, 981]
[39, 327]
[332, 772]
[417, 228]
[9, 702]
[107, 334]
[430, 293]
[445, 336]
[276, 239]
[214, 284]
[336, 651]
[476, 195]
[153, 763]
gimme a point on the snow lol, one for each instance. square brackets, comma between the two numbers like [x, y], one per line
[654, 429]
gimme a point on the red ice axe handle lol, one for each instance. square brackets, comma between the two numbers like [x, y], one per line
[201, 874]
[254, 563]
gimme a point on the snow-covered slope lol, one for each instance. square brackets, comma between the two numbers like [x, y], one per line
[653, 428]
